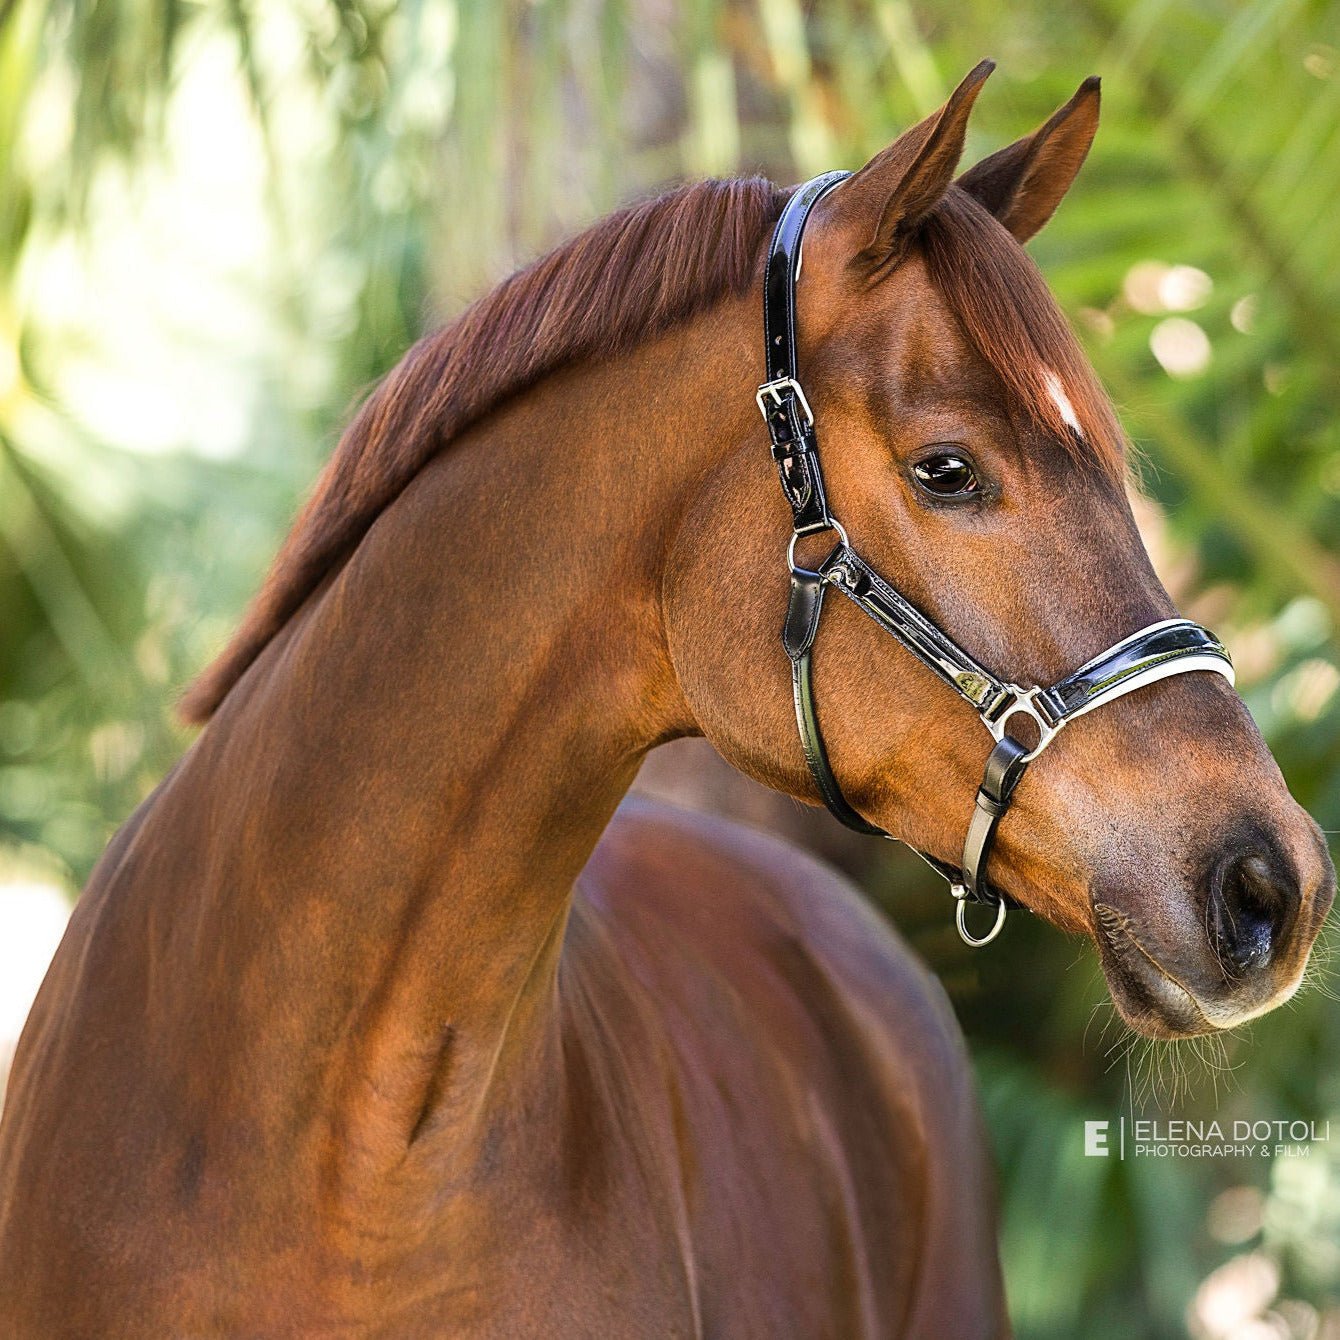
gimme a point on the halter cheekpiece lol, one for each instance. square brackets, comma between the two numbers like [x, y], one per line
[1171, 647]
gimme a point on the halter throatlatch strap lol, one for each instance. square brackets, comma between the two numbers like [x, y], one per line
[802, 623]
[1172, 647]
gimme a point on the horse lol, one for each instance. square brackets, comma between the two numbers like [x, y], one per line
[382, 1016]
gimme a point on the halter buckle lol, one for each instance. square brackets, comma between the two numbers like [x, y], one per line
[1024, 702]
[777, 391]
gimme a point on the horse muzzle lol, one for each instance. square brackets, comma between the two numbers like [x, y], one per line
[1258, 913]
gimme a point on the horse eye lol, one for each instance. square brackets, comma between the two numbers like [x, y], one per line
[946, 476]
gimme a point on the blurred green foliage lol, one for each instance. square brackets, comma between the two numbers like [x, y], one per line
[289, 194]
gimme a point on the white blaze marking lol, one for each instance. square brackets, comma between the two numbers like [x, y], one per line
[1062, 401]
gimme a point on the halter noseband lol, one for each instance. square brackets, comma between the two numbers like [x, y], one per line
[1172, 647]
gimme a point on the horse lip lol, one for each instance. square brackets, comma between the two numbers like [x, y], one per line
[1151, 994]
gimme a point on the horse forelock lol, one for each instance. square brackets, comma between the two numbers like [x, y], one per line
[1009, 314]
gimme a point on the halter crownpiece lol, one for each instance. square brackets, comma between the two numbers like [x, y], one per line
[1171, 647]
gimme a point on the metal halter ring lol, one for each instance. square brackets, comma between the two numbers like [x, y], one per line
[1024, 703]
[833, 524]
[960, 895]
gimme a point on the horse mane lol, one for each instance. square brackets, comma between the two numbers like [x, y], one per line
[629, 277]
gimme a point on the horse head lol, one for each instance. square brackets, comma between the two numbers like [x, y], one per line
[977, 464]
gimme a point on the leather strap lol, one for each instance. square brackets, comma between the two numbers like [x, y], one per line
[779, 280]
[798, 633]
[785, 410]
[1004, 768]
[1154, 653]
[936, 650]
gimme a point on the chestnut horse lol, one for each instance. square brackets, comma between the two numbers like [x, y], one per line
[377, 1019]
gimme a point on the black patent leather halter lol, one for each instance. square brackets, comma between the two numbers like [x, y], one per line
[1171, 647]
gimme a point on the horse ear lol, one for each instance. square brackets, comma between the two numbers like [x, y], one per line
[1023, 183]
[895, 190]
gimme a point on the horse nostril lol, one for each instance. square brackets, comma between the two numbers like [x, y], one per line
[1252, 899]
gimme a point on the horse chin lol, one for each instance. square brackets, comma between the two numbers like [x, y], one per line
[1156, 1002]
[1152, 1003]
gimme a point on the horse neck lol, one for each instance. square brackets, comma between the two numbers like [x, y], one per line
[399, 796]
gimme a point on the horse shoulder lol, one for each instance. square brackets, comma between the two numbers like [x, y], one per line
[798, 1075]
